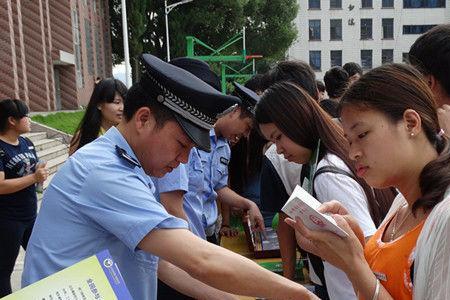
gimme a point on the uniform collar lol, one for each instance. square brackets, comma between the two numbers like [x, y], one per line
[114, 135]
[215, 140]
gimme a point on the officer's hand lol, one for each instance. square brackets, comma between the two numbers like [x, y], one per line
[256, 218]
[41, 173]
[228, 231]
[444, 118]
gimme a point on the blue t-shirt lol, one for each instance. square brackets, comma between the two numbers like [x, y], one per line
[17, 161]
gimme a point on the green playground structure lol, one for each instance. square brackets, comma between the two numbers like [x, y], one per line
[231, 66]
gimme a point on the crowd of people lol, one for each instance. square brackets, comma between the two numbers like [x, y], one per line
[155, 170]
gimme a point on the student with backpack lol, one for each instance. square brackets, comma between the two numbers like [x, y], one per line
[390, 121]
[19, 172]
[304, 133]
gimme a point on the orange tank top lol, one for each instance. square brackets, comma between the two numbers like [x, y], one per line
[391, 261]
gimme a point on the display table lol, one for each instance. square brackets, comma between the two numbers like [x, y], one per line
[239, 245]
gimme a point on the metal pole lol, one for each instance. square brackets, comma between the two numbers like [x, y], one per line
[126, 50]
[166, 13]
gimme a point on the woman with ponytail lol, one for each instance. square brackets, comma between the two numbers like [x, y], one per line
[304, 133]
[390, 122]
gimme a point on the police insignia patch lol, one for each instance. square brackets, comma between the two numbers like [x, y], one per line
[224, 160]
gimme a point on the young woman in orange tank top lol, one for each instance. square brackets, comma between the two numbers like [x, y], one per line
[390, 122]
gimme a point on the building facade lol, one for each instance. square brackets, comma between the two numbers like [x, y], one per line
[369, 32]
[52, 51]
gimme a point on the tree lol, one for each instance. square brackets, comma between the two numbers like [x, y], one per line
[270, 29]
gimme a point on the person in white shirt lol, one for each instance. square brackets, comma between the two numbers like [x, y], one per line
[305, 134]
[390, 121]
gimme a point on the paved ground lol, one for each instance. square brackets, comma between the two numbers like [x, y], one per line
[17, 274]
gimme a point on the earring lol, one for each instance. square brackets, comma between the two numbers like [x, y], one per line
[411, 134]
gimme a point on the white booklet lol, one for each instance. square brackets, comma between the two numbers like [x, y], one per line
[301, 204]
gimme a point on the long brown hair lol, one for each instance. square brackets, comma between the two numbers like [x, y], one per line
[301, 119]
[392, 89]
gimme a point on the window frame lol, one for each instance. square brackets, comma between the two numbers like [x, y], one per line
[311, 32]
[331, 58]
[361, 29]
[314, 8]
[384, 26]
[319, 52]
[383, 61]
[363, 65]
[338, 36]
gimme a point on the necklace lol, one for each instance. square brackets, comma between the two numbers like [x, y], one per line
[395, 227]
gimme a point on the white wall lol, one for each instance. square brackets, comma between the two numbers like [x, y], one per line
[351, 44]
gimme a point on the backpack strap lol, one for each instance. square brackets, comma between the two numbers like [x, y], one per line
[333, 169]
[317, 262]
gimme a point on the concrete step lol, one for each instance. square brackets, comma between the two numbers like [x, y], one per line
[53, 152]
[35, 136]
[54, 164]
[46, 144]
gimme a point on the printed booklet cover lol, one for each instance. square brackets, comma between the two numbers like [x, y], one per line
[96, 277]
[301, 204]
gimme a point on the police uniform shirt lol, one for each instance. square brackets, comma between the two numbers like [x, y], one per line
[215, 176]
[177, 180]
[100, 199]
[189, 178]
[193, 203]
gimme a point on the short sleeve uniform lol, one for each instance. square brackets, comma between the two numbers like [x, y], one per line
[193, 203]
[99, 200]
[215, 167]
[177, 180]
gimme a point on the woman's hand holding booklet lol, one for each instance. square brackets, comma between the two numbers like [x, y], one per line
[318, 216]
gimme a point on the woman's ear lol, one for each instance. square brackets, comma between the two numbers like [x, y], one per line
[412, 121]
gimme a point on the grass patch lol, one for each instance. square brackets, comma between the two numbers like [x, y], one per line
[65, 121]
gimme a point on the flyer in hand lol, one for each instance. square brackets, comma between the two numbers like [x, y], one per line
[96, 277]
[301, 204]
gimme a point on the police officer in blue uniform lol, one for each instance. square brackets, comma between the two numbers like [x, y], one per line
[229, 128]
[102, 198]
[171, 189]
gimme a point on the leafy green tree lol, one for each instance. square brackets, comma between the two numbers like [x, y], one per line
[270, 29]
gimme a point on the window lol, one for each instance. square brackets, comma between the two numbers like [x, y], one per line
[89, 49]
[405, 57]
[388, 28]
[387, 56]
[366, 59]
[336, 58]
[314, 4]
[366, 4]
[335, 4]
[387, 3]
[335, 29]
[77, 48]
[315, 60]
[314, 30]
[416, 29]
[98, 52]
[366, 29]
[423, 3]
